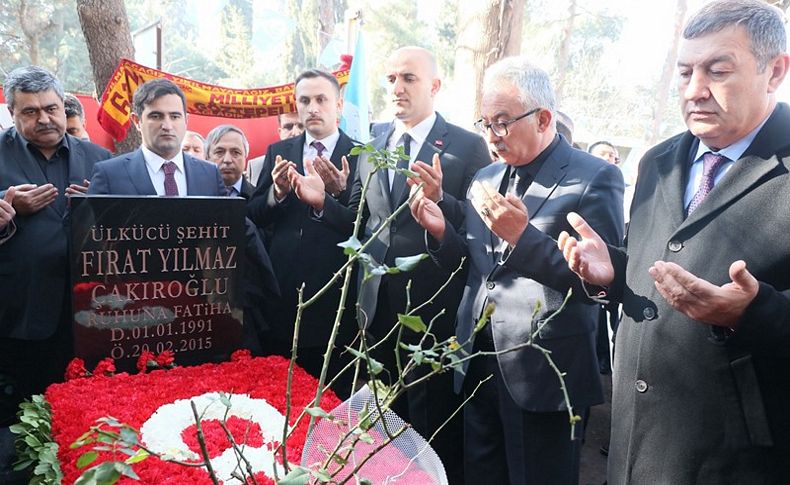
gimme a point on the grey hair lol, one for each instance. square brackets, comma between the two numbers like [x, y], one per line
[73, 107]
[216, 134]
[533, 83]
[30, 79]
[763, 23]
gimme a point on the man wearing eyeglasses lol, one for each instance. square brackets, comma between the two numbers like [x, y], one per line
[516, 424]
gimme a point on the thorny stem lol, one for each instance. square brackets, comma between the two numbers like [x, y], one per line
[202, 442]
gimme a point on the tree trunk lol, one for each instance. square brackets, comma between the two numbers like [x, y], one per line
[106, 29]
[489, 30]
[662, 89]
[563, 55]
[326, 23]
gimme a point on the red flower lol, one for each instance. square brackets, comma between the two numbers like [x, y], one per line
[105, 367]
[240, 355]
[166, 358]
[146, 360]
[76, 369]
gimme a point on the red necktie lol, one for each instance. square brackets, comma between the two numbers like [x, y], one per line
[171, 188]
[710, 165]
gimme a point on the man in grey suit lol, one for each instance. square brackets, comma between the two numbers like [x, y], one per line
[158, 167]
[434, 147]
[702, 358]
[517, 427]
[41, 166]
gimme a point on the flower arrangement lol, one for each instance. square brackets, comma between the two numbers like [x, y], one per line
[157, 404]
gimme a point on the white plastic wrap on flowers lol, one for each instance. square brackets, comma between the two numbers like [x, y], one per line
[408, 459]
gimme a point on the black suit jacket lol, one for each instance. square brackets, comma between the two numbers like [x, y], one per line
[303, 248]
[462, 154]
[247, 189]
[535, 273]
[714, 403]
[34, 261]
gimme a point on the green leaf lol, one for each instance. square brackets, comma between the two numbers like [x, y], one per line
[412, 322]
[376, 367]
[323, 475]
[350, 245]
[129, 436]
[418, 357]
[485, 317]
[366, 438]
[87, 478]
[137, 457]
[365, 481]
[317, 412]
[436, 366]
[407, 263]
[86, 459]
[297, 476]
[107, 474]
[126, 470]
[225, 400]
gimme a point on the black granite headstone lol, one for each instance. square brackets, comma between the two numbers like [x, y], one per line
[156, 274]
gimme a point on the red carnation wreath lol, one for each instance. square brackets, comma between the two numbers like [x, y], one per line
[157, 404]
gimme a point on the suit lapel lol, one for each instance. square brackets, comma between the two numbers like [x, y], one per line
[672, 168]
[546, 180]
[382, 176]
[138, 173]
[436, 142]
[77, 165]
[496, 181]
[32, 172]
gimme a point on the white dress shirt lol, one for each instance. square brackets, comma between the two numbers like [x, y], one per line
[732, 152]
[418, 134]
[309, 152]
[154, 162]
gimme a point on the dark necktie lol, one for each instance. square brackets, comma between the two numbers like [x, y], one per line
[319, 147]
[711, 162]
[399, 180]
[171, 188]
[232, 192]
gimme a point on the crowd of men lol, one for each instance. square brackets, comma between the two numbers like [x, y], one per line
[701, 363]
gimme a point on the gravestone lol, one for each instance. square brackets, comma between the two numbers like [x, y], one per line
[155, 274]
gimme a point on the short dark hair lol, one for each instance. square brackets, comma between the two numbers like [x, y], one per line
[30, 79]
[73, 107]
[147, 92]
[602, 142]
[763, 23]
[314, 73]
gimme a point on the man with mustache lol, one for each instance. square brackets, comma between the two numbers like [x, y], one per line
[304, 249]
[435, 148]
[40, 166]
[701, 375]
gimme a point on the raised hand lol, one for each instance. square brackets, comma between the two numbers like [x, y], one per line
[506, 216]
[30, 198]
[308, 187]
[77, 188]
[588, 257]
[7, 211]
[427, 213]
[703, 301]
[430, 176]
[280, 178]
[334, 179]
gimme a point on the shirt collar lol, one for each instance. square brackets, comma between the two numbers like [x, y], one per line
[155, 162]
[418, 132]
[735, 150]
[329, 142]
[237, 185]
[63, 146]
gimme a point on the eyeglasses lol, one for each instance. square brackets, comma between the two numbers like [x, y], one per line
[500, 127]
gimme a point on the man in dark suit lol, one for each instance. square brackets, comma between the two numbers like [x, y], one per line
[701, 374]
[158, 167]
[227, 146]
[517, 427]
[304, 249]
[41, 165]
[435, 146]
